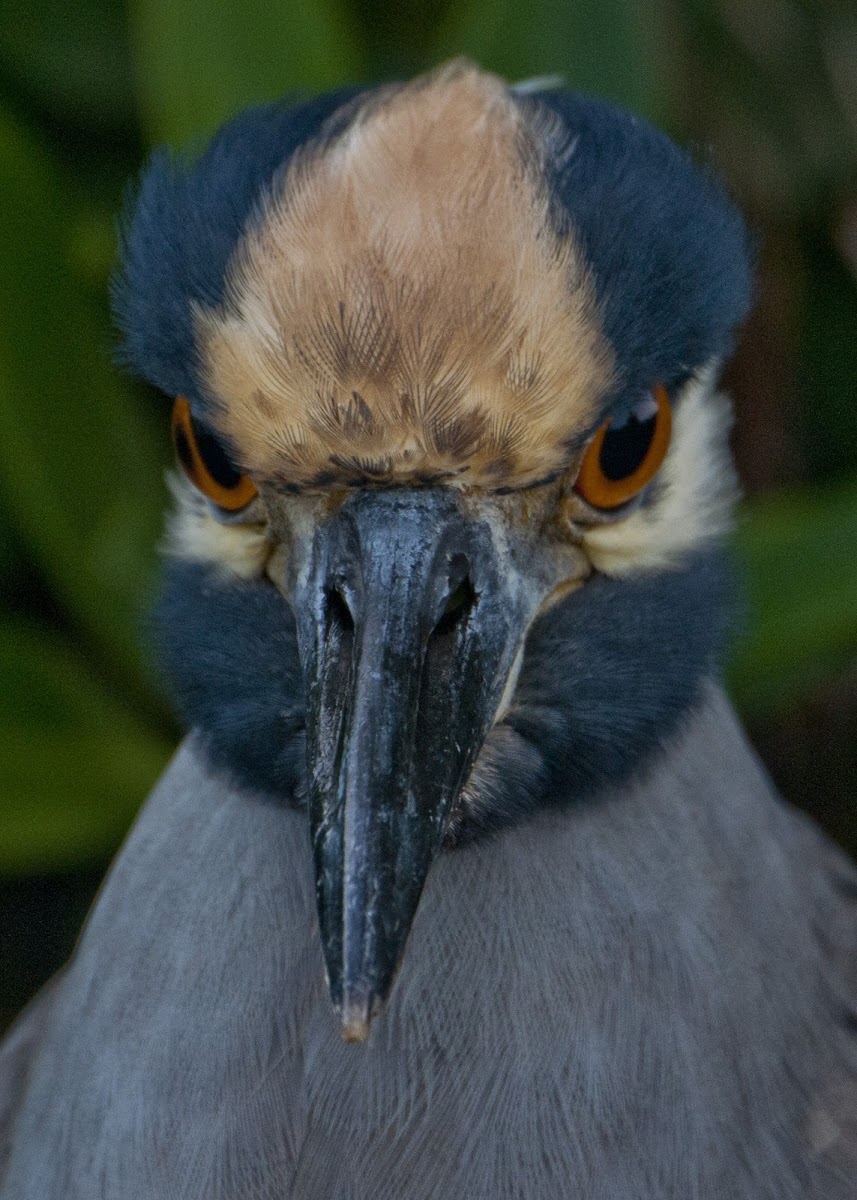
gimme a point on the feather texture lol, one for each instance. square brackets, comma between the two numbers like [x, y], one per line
[635, 1000]
[402, 306]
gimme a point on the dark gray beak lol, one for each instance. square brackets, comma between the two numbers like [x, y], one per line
[408, 631]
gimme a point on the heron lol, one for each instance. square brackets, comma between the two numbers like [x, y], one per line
[465, 881]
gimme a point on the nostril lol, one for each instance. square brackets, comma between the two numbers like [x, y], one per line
[459, 604]
[337, 646]
[338, 612]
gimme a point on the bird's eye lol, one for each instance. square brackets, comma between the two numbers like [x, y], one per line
[206, 463]
[622, 458]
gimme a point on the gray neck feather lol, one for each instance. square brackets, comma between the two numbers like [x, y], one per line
[596, 1004]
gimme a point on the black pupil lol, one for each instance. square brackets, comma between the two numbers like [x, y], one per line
[625, 446]
[216, 460]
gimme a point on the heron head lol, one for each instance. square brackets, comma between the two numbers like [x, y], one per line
[443, 356]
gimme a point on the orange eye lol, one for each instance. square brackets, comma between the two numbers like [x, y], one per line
[621, 459]
[206, 463]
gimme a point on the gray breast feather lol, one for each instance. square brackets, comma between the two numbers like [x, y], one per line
[16, 1056]
[627, 1001]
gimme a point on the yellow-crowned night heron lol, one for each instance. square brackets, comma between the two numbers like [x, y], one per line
[443, 609]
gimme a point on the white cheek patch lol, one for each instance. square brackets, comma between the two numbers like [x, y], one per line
[696, 491]
[195, 534]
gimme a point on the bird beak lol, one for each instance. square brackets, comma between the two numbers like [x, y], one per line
[408, 628]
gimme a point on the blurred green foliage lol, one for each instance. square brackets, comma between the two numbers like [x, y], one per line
[86, 89]
[199, 61]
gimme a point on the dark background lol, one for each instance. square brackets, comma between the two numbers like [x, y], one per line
[767, 89]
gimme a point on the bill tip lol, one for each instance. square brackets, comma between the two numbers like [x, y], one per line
[356, 1017]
